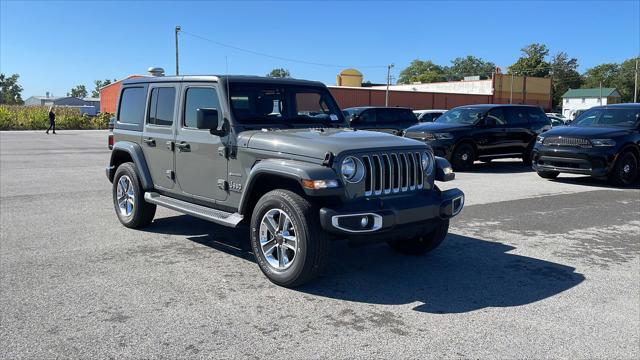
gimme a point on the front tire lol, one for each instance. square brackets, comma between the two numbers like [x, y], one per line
[625, 171]
[463, 157]
[422, 244]
[128, 198]
[548, 174]
[287, 239]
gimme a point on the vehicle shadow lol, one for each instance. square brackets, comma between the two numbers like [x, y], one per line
[464, 274]
[499, 167]
[591, 181]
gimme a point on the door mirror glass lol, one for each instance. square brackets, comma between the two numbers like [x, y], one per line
[207, 119]
[489, 121]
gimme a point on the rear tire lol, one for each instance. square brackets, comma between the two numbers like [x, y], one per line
[548, 174]
[625, 171]
[463, 157]
[422, 244]
[128, 198]
[287, 239]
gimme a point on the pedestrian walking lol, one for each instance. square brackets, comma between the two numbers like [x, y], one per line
[52, 120]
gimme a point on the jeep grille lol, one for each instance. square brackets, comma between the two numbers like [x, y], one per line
[392, 173]
[566, 141]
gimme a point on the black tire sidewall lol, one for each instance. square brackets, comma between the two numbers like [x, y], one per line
[618, 169]
[274, 200]
[456, 157]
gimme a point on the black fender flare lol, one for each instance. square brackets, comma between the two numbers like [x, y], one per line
[290, 169]
[135, 152]
[444, 171]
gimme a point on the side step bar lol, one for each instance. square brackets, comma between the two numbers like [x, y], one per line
[199, 211]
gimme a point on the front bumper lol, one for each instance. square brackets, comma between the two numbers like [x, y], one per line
[385, 215]
[442, 148]
[596, 161]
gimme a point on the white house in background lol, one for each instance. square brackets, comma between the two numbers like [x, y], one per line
[577, 100]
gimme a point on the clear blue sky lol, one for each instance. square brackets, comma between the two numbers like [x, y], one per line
[56, 45]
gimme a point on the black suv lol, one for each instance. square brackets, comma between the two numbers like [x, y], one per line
[604, 141]
[391, 120]
[483, 132]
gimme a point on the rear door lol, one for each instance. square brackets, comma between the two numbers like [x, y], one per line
[158, 133]
[201, 163]
[519, 134]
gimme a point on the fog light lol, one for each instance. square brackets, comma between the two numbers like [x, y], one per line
[364, 221]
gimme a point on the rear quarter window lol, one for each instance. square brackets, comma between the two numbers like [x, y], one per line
[132, 105]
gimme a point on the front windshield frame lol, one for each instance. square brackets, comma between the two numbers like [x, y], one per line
[285, 104]
[597, 117]
[447, 117]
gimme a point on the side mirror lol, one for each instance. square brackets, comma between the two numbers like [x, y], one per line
[489, 121]
[353, 118]
[207, 119]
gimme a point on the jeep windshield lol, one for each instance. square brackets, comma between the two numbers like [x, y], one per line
[274, 104]
[608, 117]
[467, 116]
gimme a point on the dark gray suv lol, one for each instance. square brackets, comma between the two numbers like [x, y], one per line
[276, 155]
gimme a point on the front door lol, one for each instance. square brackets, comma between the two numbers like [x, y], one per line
[490, 138]
[201, 164]
[158, 134]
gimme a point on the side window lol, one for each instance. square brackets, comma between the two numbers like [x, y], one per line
[497, 115]
[536, 115]
[516, 115]
[161, 106]
[385, 116]
[132, 104]
[199, 98]
[368, 117]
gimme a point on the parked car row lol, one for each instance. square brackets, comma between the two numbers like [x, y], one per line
[602, 141]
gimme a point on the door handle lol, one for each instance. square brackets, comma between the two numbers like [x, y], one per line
[183, 147]
[149, 141]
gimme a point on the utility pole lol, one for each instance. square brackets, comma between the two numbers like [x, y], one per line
[177, 61]
[635, 87]
[600, 100]
[386, 98]
[511, 91]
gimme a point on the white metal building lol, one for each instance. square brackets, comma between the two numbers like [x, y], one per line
[575, 100]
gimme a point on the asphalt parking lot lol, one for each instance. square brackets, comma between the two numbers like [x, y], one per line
[532, 268]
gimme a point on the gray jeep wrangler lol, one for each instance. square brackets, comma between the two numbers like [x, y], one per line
[276, 155]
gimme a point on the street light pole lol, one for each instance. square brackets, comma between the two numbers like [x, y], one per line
[177, 59]
[635, 87]
[386, 98]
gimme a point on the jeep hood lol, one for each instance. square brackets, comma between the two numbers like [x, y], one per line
[316, 143]
[587, 131]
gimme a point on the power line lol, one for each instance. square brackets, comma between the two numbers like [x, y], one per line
[278, 57]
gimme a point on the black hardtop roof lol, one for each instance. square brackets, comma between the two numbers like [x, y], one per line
[215, 78]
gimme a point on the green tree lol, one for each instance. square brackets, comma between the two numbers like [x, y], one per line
[100, 83]
[279, 73]
[10, 90]
[619, 76]
[532, 62]
[79, 91]
[470, 66]
[626, 78]
[565, 75]
[424, 71]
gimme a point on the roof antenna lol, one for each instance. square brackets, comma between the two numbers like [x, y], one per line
[226, 61]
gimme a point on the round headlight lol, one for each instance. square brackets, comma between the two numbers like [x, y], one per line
[427, 161]
[352, 169]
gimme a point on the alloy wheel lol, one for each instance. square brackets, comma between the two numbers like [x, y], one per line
[125, 195]
[278, 241]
